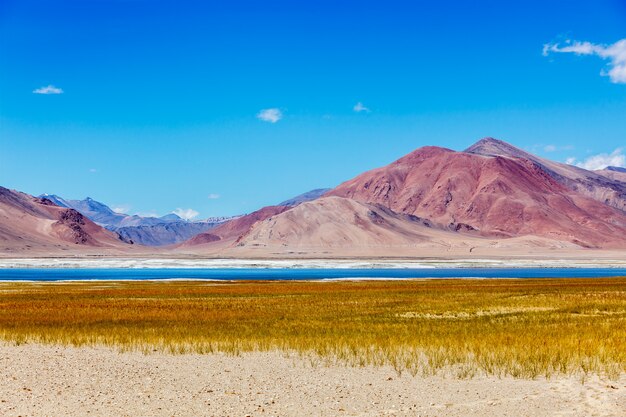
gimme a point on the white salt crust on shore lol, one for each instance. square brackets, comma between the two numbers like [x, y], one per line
[141, 263]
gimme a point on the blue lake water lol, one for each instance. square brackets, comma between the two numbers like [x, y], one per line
[50, 274]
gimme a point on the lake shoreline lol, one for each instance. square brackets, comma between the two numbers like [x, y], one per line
[259, 274]
[356, 263]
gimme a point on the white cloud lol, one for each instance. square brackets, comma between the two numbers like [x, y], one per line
[554, 148]
[615, 53]
[213, 196]
[186, 214]
[600, 161]
[121, 209]
[147, 214]
[359, 107]
[50, 89]
[270, 115]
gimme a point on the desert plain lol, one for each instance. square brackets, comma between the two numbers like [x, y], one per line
[530, 347]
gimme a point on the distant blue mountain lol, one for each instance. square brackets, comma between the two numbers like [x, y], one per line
[136, 220]
[94, 210]
[163, 233]
[150, 231]
[303, 198]
[56, 200]
[172, 217]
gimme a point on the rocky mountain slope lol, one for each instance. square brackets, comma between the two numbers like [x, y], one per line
[614, 173]
[335, 227]
[588, 183]
[335, 222]
[497, 196]
[231, 231]
[31, 225]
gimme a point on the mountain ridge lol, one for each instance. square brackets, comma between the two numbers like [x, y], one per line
[499, 195]
[492, 196]
[589, 183]
[150, 231]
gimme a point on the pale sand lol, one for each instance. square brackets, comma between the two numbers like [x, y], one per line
[60, 381]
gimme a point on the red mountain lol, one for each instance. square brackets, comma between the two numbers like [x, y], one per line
[608, 189]
[342, 227]
[498, 195]
[38, 226]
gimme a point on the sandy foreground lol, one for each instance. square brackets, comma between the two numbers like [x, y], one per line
[40, 380]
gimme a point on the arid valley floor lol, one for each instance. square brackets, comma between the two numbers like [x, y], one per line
[531, 347]
[38, 380]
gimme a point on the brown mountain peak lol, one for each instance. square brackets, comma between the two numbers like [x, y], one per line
[495, 147]
[493, 187]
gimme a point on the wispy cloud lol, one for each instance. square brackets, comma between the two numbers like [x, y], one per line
[554, 148]
[147, 214]
[49, 89]
[92, 170]
[213, 196]
[270, 115]
[600, 161]
[549, 148]
[122, 209]
[359, 107]
[186, 214]
[615, 53]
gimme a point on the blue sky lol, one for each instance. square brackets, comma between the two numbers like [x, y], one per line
[159, 104]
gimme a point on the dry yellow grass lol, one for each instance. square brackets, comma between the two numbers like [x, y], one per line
[524, 328]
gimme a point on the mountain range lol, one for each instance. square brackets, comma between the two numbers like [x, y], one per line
[490, 199]
[143, 230]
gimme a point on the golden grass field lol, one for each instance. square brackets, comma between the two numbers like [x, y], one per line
[519, 327]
